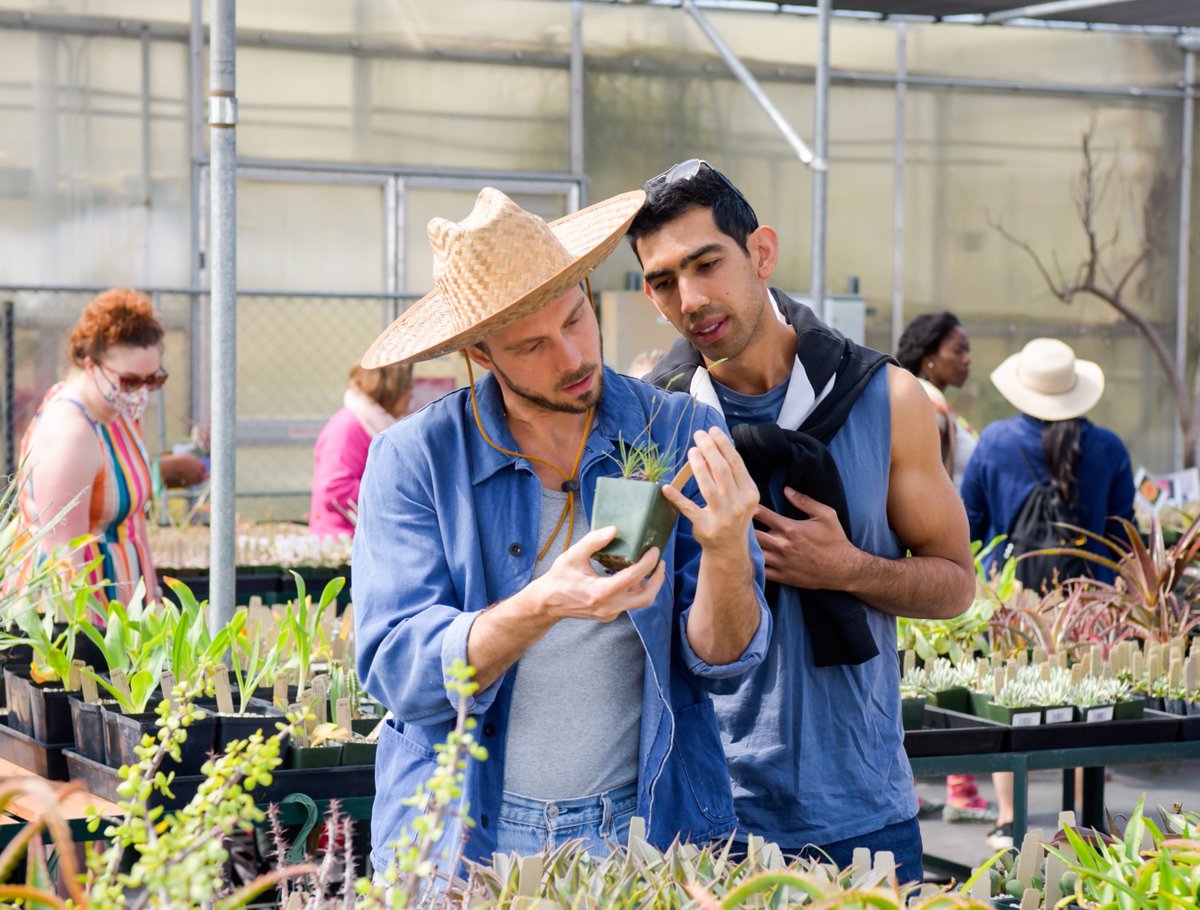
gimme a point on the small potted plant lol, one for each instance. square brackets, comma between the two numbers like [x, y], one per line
[913, 694]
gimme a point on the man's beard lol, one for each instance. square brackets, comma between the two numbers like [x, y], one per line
[578, 405]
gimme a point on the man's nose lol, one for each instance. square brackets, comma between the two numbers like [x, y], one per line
[692, 296]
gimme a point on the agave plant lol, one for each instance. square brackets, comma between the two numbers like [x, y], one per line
[1155, 584]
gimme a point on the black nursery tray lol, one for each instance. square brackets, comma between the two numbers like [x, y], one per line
[952, 733]
[318, 783]
[44, 760]
[1154, 727]
[1189, 727]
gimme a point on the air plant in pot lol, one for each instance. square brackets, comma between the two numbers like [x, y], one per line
[633, 501]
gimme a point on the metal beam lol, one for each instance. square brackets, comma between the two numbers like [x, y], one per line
[577, 88]
[1053, 8]
[900, 130]
[820, 182]
[803, 152]
[1183, 268]
[222, 120]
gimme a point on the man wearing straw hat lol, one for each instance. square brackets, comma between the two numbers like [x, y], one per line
[845, 449]
[472, 544]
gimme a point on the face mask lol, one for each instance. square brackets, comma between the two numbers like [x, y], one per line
[130, 405]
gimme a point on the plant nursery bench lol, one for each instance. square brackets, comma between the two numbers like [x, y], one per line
[73, 807]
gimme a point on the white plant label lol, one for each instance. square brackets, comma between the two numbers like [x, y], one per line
[1095, 715]
[1059, 715]
[1029, 719]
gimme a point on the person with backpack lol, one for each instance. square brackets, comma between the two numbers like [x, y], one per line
[1047, 466]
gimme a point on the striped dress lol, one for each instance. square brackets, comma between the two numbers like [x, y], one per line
[120, 493]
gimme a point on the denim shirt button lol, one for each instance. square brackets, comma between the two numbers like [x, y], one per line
[515, 549]
[489, 729]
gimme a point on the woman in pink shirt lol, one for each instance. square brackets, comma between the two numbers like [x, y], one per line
[374, 400]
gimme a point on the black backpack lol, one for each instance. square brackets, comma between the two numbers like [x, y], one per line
[1038, 525]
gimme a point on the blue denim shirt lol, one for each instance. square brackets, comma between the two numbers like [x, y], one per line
[448, 526]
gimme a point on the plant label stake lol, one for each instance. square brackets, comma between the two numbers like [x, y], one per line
[1031, 899]
[910, 661]
[74, 675]
[224, 695]
[167, 684]
[121, 684]
[91, 692]
[341, 713]
[279, 693]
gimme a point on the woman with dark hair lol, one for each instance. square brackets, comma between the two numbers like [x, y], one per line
[374, 400]
[1049, 442]
[84, 447]
[934, 347]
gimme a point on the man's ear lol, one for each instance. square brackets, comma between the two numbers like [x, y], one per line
[763, 244]
[479, 356]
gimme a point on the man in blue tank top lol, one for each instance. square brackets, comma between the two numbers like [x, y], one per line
[812, 735]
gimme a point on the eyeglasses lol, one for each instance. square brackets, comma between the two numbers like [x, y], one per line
[128, 383]
[686, 170]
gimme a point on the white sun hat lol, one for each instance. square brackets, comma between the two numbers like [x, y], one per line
[1045, 380]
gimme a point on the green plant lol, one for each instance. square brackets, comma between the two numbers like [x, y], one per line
[302, 627]
[193, 645]
[51, 640]
[136, 645]
[255, 663]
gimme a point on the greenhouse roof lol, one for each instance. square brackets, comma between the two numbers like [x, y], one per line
[1135, 13]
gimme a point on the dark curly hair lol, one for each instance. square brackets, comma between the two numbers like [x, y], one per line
[119, 316]
[922, 337]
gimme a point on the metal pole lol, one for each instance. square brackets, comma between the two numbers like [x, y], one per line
[10, 387]
[744, 76]
[195, 126]
[1183, 272]
[898, 184]
[222, 119]
[576, 100]
[819, 177]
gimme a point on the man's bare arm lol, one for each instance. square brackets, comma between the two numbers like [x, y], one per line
[924, 511]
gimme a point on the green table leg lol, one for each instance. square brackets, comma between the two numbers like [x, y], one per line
[1093, 799]
[1020, 797]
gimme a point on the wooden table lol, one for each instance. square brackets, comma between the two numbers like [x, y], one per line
[26, 807]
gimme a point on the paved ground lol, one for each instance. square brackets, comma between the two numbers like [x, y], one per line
[1163, 783]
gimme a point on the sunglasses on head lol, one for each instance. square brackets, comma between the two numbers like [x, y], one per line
[686, 170]
[131, 383]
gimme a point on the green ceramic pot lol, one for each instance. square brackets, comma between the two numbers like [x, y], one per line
[642, 515]
[912, 712]
[314, 756]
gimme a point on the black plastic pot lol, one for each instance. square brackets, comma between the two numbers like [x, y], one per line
[642, 515]
[50, 707]
[124, 732]
[87, 718]
[957, 698]
[1129, 709]
[20, 710]
[363, 726]
[260, 716]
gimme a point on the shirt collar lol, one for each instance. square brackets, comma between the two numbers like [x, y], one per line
[617, 400]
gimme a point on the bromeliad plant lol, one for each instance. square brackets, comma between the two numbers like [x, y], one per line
[1155, 585]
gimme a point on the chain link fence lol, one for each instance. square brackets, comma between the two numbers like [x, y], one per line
[294, 351]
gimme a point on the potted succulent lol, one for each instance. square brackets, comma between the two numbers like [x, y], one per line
[633, 502]
[303, 628]
[255, 666]
[913, 695]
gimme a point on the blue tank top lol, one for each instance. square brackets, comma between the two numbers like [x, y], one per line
[817, 754]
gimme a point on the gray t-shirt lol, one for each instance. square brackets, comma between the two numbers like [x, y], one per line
[573, 727]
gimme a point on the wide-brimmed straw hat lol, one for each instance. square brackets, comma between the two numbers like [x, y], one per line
[1045, 380]
[497, 266]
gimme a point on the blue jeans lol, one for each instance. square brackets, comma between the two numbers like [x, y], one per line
[527, 826]
[903, 839]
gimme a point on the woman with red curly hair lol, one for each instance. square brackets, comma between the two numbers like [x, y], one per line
[84, 450]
